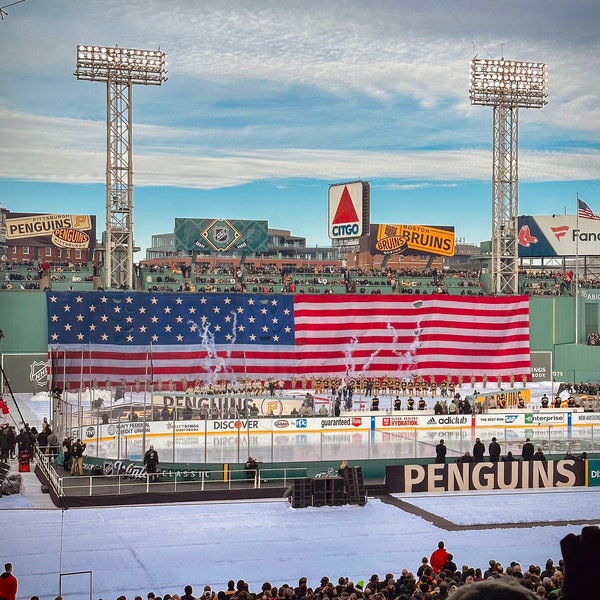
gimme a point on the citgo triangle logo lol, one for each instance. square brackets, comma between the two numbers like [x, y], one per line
[345, 212]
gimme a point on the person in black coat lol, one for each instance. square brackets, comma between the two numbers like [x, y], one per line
[67, 443]
[251, 467]
[440, 453]
[539, 455]
[478, 450]
[494, 450]
[450, 565]
[466, 458]
[151, 462]
[528, 450]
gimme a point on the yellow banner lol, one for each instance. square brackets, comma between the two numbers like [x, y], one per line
[395, 239]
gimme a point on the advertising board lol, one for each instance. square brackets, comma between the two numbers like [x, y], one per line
[455, 477]
[414, 240]
[558, 235]
[221, 235]
[41, 230]
[349, 209]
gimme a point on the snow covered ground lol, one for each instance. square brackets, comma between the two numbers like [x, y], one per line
[134, 550]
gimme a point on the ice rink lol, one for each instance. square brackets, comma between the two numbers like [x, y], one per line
[273, 446]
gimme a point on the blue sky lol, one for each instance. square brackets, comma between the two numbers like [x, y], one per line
[269, 102]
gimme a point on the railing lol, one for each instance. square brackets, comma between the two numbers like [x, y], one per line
[177, 481]
[43, 463]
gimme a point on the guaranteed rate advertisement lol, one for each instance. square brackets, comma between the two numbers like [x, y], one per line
[412, 239]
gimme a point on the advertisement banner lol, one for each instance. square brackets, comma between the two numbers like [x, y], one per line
[558, 235]
[593, 473]
[541, 366]
[455, 477]
[209, 236]
[41, 230]
[586, 418]
[349, 209]
[522, 419]
[415, 240]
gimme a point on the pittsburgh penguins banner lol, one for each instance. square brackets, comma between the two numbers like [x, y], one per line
[458, 477]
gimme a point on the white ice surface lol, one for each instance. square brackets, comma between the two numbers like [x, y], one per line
[134, 550]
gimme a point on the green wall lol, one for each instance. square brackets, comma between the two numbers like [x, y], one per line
[23, 321]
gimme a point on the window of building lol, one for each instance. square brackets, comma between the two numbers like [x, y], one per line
[48, 251]
[25, 249]
[77, 254]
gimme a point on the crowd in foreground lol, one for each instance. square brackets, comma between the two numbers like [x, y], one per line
[436, 578]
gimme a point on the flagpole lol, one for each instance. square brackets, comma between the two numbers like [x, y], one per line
[145, 393]
[577, 276]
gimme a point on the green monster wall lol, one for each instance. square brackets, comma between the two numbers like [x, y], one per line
[552, 328]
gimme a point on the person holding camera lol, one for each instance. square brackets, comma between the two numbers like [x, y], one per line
[77, 450]
[251, 468]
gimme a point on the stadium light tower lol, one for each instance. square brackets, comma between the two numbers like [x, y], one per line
[506, 85]
[120, 68]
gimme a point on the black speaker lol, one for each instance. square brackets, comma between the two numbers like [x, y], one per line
[301, 493]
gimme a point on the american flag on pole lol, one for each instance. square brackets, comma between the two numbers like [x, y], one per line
[584, 211]
[133, 336]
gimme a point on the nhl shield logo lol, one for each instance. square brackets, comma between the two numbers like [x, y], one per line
[38, 373]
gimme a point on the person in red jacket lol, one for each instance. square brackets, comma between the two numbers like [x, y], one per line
[8, 583]
[438, 558]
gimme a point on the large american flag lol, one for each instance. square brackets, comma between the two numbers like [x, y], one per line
[129, 337]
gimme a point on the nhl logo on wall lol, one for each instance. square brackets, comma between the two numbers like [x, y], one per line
[221, 234]
[38, 373]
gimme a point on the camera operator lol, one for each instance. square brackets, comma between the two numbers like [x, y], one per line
[251, 466]
[77, 450]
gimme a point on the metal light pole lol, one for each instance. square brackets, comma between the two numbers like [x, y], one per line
[506, 85]
[120, 68]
